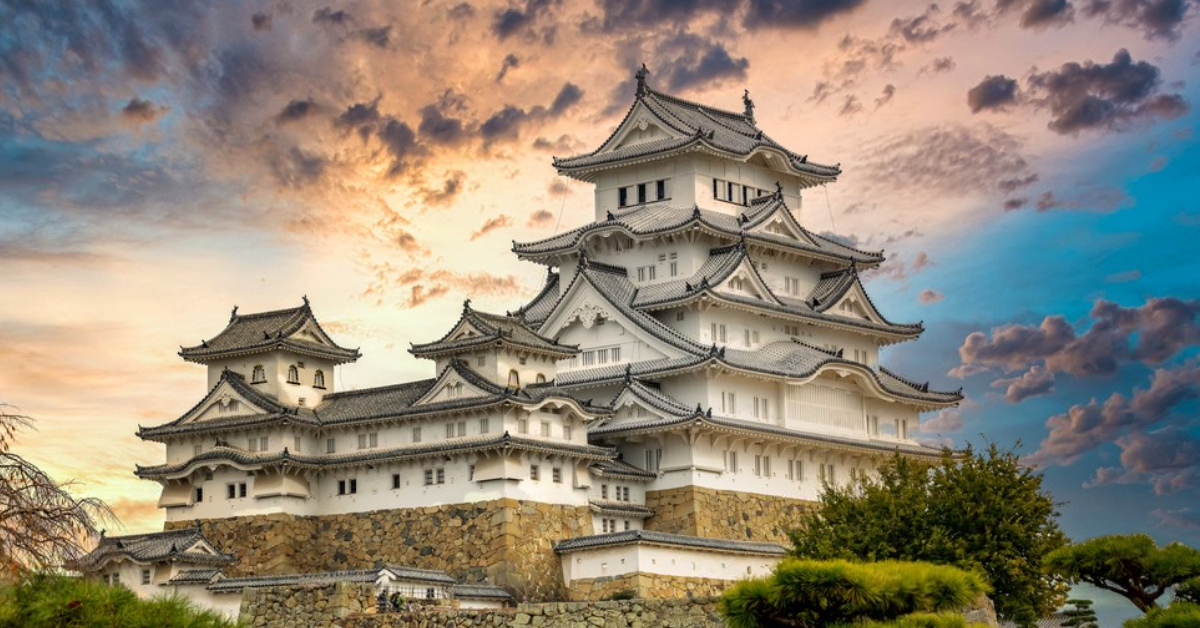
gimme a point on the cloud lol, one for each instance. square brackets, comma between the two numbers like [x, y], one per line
[1179, 518]
[297, 168]
[800, 14]
[937, 66]
[401, 143]
[889, 91]
[329, 17]
[1036, 381]
[1167, 459]
[952, 160]
[261, 22]
[1094, 96]
[930, 296]
[850, 106]
[1125, 276]
[1084, 427]
[510, 61]
[141, 111]
[440, 124]
[539, 219]
[923, 28]
[361, 117]
[450, 190]
[1043, 13]
[379, 36]
[694, 60]
[296, 110]
[566, 144]
[1157, 19]
[499, 222]
[948, 419]
[993, 92]
[1152, 334]
[515, 19]
[506, 123]
[419, 285]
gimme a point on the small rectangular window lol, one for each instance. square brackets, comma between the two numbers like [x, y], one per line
[641, 189]
[341, 487]
[483, 426]
[731, 465]
[556, 475]
[679, 316]
[296, 444]
[616, 354]
[441, 476]
[428, 477]
[622, 197]
[625, 493]
[145, 576]
[566, 432]
[362, 441]
[602, 356]
[462, 428]
[660, 189]
[196, 449]
[241, 489]
[395, 481]
[471, 473]
[522, 426]
[449, 430]
[481, 360]
[603, 491]
[252, 444]
[416, 432]
[230, 491]
[373, 440]
[758, 465]
[534, 472]
[626, 524]
[674, 268]
[545, 429]
[330, 445]
[199, 495]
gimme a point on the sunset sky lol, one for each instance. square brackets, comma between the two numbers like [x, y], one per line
[1030, 167]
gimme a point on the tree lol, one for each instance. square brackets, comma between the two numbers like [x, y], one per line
[1177, 615]
[41, 523]
[1081, 616]
[821, 594]
[55, 601]
[1130, 565]
[976, 510]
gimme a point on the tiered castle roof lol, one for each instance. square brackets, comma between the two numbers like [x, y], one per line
[294, 329]
[477, 330]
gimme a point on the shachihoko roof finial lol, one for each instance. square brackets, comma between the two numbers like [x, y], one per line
[466, 304]
[233, 314]
[641, 80]
[305, 298]
[749, 106]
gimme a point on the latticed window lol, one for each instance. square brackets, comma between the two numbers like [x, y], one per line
[259, 375]
[319, 379]
[293, 375]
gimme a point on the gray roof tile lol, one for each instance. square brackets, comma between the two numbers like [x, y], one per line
[263, 331]
[662, 538]
[153, 547]
[494, 329]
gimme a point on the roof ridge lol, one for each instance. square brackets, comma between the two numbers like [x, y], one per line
[286, 310]
[683, 101]
[348, 393]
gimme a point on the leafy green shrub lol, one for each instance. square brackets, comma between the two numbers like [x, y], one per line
[813, 593]
[53, 601]
[1177, 615]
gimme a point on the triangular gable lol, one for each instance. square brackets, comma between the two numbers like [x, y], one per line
[639, 126]
[466, 329]
[745, 281]
[310, 331]
[201, 546]
[583, 306]
[628, 407]
[223, 401]
[780, 222]
[855, 304]
[451, 385]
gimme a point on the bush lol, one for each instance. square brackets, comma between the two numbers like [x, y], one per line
[892, 594]
[54, 601]
[1177, 615]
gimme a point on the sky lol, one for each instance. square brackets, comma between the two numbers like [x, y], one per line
[1029, 167]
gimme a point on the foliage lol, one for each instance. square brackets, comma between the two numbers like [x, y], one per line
[1130, 565]
[812, 593]
[1188, 591]
[1177, 615]
[1081, 615]
[977, 510]
[41, 523]
[56, 601]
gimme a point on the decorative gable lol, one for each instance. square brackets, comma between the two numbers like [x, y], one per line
[224, 401]
[639, 127]
[782, 224]
[450, 386]
[855, 304]
[745, 282]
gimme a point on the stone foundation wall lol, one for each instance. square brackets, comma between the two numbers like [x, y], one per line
[647, 586]
[506, 542]
[700, 511]
[697, 613]
[309, 606]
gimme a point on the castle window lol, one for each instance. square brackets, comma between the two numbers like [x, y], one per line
[626, 524]
[762, 408]
[603, 491]
[429, 593]
[145, 576]
[540, 379]
[731, 462]
[428, 477]
[625, 493]
[293, 374]
[660, 188]
[196, 449]
[449, 430]
[297, 443]
[535, 472]
[481, 359]
[622, 197]
[641, 188]
[728, 402]
[514, 379]
[567, 432]
[395, 481]
[259, 375]
[330, 445]
[199, 496]
[556, 475]
[521, 361]
[796, 470]
[462, 428]
[653, 460]
[319, 379]
[441, 476]
[471, 473]
[368, 441]
[522, 426]
[546, 429]
[416, 434]
[483, 426]
[792, 285]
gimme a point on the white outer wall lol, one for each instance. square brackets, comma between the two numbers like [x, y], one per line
[663, 560]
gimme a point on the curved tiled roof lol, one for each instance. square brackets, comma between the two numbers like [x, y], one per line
[595, 541]
[790, 359]
[264, 331]
[621, 470]
[493, 329]
[172, 545]
[480, 592]
[230, 455]
[196, 576]
[619, 509]
[541, 305]
[700, 126]
[660, 218]
[275, 412]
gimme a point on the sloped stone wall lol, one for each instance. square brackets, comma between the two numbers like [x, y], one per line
[310, 606]
[698, 613]
[506, 542]
[649, 586]
[700, 511]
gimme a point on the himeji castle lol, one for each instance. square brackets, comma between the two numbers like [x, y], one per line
[697, 366]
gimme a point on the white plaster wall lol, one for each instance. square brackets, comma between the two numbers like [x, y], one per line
[621, 522]
[667, 561]
[276, 363]
[676, 171]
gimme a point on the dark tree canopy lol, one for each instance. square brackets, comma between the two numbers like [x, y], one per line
[1130, 565]
[827, 594]
[977, 510]
[1177, 615]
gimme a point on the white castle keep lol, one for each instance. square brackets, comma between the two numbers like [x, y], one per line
[696, 367]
